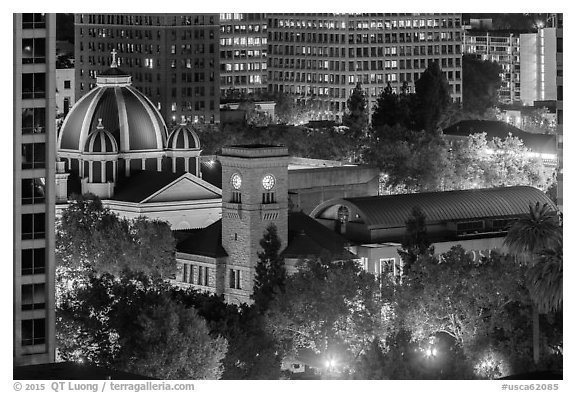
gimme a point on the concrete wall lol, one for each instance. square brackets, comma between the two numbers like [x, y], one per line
[310, 187]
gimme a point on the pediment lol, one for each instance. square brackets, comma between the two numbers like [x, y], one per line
[186, 188]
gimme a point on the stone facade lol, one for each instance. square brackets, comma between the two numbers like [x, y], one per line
[249, 208]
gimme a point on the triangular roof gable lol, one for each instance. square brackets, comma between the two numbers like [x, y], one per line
[186, 187]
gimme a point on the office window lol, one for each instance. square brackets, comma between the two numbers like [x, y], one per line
[33, 296]
[33, 21]
[33, 50]
[33, 155]
[33, 226]
[33, 331]
[33, 190]
[33, 261]
[33, 85]
[33, 120]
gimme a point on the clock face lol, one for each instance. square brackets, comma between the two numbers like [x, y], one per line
[236, 181]
[268, 182]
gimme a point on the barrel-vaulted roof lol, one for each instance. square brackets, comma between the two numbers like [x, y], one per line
[390, 211]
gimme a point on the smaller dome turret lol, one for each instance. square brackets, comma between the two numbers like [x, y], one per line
[100, 141]
[183, 137]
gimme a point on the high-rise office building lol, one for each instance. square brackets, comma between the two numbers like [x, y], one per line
[502, 48]
[173, 59]
[243, 49]
[324, 56]
[538, 66]
[34, 190]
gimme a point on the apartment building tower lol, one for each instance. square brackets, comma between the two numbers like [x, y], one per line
[557, 22]
[33, 188]
[324, 56]
[173, 59]
[243, 49]
[502, 47]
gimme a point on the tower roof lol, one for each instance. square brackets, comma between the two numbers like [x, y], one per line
[183, 137]
[100, 141]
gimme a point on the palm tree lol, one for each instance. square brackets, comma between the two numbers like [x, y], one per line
[545, 279]
[531, 234]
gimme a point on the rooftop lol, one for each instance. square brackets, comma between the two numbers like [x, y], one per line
[392, 211]
[142, 184]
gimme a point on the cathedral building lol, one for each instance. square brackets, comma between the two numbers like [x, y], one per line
[115, 144]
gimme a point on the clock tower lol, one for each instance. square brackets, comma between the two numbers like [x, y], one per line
[254, 195]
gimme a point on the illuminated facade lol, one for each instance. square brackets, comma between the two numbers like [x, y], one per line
[243, 49]
[324, 56]
[538, 66]
[173, 59]
[504, 49]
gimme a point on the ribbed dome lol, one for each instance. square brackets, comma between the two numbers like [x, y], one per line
[100, 141]
[129, 116]
[183, 137]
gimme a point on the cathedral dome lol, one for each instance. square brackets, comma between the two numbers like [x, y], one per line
[183, 137]
[100, 141]
[128, 115]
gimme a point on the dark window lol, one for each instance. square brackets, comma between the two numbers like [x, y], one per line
[33, 331]
[33, 296]
[33, 120]
[33, 50]
[200, 275]
[470, 227]
[33, 261]
[501, 225]
[33, 21]
[34, 85]
[235, 279]
[66, 84]
[236, 197]
[33, 190]
[268, 197]
[33, 155]
[33, 226]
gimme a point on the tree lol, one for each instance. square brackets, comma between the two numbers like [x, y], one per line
[532, 233]
[328, 305]
[372, 364]
[481, 81]
[356, 116]
[391, 109]
[416, 160]
[432, 98]
[415, 244]
[270, 272]
[252, 351]
[479, 163]
[545, 278]
[477, 304]
[90, 238]
[538, 121]
[254, 115]
[133, 324]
